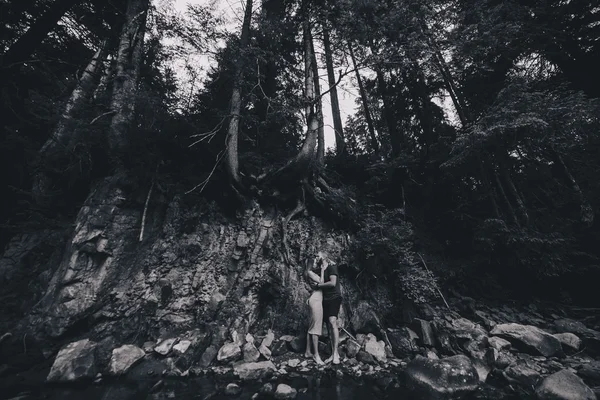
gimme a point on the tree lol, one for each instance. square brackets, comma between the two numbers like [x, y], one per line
[335, 103]
[129, 61]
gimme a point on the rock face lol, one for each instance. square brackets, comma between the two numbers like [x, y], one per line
[75, 361]
[124, 358]
[364, 319]
[254, 370]
[449, 378]
[403, 341]
[564, 385]
[529, 338]
[425, 331]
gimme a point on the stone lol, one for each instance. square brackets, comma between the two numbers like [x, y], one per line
[590, 372]
[522, 374]
[208, 356]
[298, 344]
[268, 340]
[75, 361]
[251, 353]
[229, 352]
[285, 392]
[254, 370]
[365, 357]
[233, 389]
[564, 385]
[182, 346]
[364, 319]
[352, 348]
[498, 343]
[294, 362]
[267, 389]
[569, 341]
[123, 358]
[403, 341]
[424, 330]
[164, 347]
[375, 348]
[279, 348]
[148, 347]
[529, 338]
[564, 325]
[448, 378]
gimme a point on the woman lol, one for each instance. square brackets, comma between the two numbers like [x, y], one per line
[315, 302]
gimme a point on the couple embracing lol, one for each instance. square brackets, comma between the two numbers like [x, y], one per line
[324, 302]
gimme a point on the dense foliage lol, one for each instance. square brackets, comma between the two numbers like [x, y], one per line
[474, 141]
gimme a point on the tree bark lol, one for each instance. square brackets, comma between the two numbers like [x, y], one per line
[505, 173]
[232, 159]
[129, 60]
[586, 210]
[64, 135]
[395, 139]
[489, 189]
[509, 207]
[318, 105]
[26, 44]
[340, 144]
[363, 96]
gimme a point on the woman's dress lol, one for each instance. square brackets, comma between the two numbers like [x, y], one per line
[315, 302]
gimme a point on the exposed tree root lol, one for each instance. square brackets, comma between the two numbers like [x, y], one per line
[284, 223]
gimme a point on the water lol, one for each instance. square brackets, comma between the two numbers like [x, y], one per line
[309, 388]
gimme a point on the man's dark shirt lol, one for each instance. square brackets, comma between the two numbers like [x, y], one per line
[334, 292]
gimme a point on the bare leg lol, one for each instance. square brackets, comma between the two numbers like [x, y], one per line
[316, 357]
[334, 335]
[308, 353]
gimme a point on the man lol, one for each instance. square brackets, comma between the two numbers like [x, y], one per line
[332, 301]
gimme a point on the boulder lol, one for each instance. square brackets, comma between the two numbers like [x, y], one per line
[530, 339]
[498, 343]
[365, 357]
[251, 353]
[182, 346]
[75, 361]
[590, 337]
[352, 348]
[266, 343]
[298, 344]
[424, 330]
[375, 348]
[208, 356]
[229, 352]
[364, 319]
[124, 358]
[564, 385]
[285, 392]
[569, 341]
[522, 374]
[254, 370]
[233, 389]
[279, 348]
[164, 347]
[590, 372]
[448, 378]
[403, 341]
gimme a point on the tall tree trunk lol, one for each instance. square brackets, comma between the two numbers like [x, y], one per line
[505, 173]
[459, 104]
[129, 61]
[395, 139]
[340, 145]
[26, 44]
[63, 136]
[365, 101]
[318, 106]
[489, 189]
[586, 210]
[509, 207]
[232, 159]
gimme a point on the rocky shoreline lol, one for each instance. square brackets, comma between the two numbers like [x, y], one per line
[440, 354]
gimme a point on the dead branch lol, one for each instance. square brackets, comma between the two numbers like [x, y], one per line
[146, 206]
[436, 285]
[203, 184]
[111, 112]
